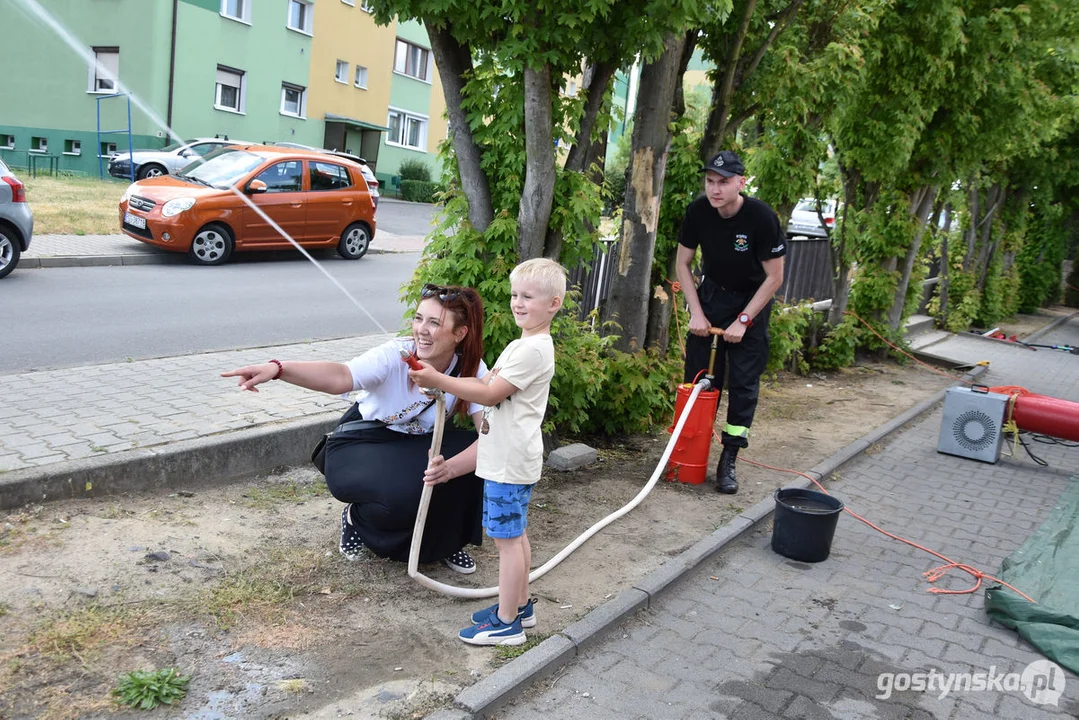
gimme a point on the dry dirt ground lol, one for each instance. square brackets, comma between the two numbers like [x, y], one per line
[241, 586]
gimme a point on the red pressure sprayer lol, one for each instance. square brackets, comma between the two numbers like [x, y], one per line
[689, 459]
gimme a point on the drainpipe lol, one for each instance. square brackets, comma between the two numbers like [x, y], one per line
[172, 66]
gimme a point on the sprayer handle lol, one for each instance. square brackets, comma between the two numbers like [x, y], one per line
[716, 331]
[411, 359]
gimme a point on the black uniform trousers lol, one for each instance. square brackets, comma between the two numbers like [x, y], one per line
[744, 362]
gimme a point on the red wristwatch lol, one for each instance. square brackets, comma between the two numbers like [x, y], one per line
[746, 320]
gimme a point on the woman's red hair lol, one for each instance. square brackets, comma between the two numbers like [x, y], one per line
[467, 309]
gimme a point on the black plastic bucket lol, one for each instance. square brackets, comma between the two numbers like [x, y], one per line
[804, 524]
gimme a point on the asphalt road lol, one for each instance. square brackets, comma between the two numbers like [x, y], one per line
[67, 317]
[404, 218]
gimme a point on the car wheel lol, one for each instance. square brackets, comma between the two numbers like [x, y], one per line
[354, 242]
[9, 252]
[151, 170]
[212, 245]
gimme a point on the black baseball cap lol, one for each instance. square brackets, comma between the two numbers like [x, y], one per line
[726, 164]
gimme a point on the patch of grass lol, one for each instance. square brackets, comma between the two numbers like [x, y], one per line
[263, 497]
[145, 689]
[294, 686]
[4, 609]
[509, 652]
[69, 205]
[73, 635]
[265, 586]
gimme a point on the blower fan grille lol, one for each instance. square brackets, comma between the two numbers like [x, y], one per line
[974, 430]
[972, 422]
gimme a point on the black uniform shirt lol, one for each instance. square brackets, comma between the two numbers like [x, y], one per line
[732, 249]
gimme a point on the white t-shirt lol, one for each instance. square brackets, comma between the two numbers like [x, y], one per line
[512, 451]
[386, 395]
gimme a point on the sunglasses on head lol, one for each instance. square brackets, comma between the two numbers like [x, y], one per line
[444, 294]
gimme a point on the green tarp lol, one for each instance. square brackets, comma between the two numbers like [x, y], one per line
[1046, 568]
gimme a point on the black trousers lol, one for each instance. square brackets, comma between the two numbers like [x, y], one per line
[743, 362]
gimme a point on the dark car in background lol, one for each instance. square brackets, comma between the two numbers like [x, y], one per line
[167, 160]
[16, 220]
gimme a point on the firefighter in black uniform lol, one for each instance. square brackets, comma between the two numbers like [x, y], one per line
[742, 248]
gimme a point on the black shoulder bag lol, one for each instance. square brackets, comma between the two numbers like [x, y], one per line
[352, 421]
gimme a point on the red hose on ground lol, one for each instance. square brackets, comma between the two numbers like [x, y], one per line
[1041, 414]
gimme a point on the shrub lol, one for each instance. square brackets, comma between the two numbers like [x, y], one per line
[415, 170]
[146, 690]
[418, 191]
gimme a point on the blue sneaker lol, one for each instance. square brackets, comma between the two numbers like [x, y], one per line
[526, 614]
[493, 631]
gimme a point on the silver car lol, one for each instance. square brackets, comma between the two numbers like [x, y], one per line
[16, 220]
[806, 222]
[167, 160]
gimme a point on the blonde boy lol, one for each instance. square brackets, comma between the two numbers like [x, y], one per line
[510, 455]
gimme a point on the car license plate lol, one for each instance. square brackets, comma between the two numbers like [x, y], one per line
[135, 221]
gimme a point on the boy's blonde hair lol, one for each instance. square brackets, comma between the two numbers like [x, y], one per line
[549, 275]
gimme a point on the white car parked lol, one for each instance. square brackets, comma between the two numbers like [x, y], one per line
[806, 222]
[167, 160]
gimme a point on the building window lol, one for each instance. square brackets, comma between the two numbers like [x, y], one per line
[108, 149]
[105, 71]
[349, 2]
[237, 10]
[8, 142]
[72, 147]
[230, 89]
[367, 7]
[300, 14]
[361, 77]
[293, 100]
[411, 60]
[571, 89]
[341, 75]
[406, 130]
[39, 144]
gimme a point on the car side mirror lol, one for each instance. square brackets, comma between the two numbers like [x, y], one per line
[255, 187]
[186, 152]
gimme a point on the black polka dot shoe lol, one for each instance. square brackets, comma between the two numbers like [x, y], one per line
[351, 543]
[461, 562]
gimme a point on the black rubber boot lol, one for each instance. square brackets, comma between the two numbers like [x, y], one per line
[726, 482]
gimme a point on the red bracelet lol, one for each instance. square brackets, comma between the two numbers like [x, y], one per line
[280, 369]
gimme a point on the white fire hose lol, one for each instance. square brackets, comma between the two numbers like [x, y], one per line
[473, 593]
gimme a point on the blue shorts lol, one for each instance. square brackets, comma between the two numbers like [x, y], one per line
[505, 509]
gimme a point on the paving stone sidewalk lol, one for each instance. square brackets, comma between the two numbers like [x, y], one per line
[53, 416]
[750, 634]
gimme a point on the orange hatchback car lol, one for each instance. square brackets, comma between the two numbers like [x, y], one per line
[321, 201]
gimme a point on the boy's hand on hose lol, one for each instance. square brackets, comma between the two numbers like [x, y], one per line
[252, 375]
[437, 471]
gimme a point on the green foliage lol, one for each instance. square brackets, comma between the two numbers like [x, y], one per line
[1040, 260]
[145, 690]
[419, 191]
[637, 391]
[838, 348]
[789, 328]
[414, 169]
[1071, 292]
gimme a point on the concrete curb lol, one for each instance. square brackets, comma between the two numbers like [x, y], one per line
[183, 464]
[493, 691]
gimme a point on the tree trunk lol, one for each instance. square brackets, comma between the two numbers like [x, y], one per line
[630, 287]
[899, 301]
[660, 306]
[841, 266]
[454, 62]
[537, 196]
[585, 151]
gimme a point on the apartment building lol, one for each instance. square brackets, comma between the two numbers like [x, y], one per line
[315, 72]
